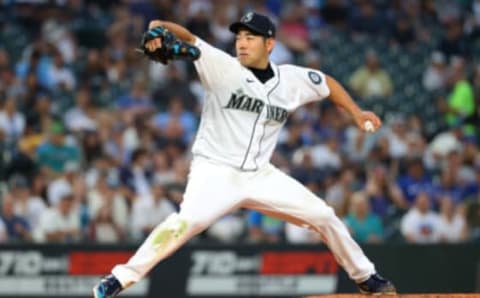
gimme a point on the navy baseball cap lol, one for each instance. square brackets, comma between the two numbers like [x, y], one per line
[256, 23]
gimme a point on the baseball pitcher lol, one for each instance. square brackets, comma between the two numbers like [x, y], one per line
[248, 100]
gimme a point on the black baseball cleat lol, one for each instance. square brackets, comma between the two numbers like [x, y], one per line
[377, 285]
[108, 287]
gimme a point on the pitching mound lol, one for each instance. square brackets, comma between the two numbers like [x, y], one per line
[400, 296]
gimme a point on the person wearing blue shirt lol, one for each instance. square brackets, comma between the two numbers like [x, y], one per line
[415, 181]
[55, 153]
[17, 227]
[364, 226]
[447, 187]
[176, 112]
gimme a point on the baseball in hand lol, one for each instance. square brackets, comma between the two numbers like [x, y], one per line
[369, 126]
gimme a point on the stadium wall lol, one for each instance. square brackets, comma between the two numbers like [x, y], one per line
[235, 271]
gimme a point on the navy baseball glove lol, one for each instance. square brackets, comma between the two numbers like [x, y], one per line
[172, 48]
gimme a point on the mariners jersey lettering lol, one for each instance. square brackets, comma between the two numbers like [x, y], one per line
[242, 117]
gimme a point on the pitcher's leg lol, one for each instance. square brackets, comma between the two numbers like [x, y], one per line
[164, 240]
[282, 196]
[202, 205]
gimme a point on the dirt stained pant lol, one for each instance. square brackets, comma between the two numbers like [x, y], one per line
[214, 189]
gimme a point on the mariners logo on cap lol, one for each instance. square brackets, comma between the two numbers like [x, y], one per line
[247, 18]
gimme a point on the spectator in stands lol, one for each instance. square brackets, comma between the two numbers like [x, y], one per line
[174, 88]
[37, 63]
[453, 225]
[199, 19]
[40, 117]
[176, 113]
[337, 195]
[114, 146]
[23, 161]
[92, 145]
[293, 141]
[472, 189]
[366, 19]
[442, 144]
[358, 144]
[420, 224]
[454, 42]
[26, 206]
[60, 223]
[461, 101]
[149, 210]
[82, 116]
[29, 91]
[106, 203]
[414, 181]
[305, 171]
[300, 235]
[162, 167]
[61, 77]
[397, 136]
[54, 154]
[38, 187]
[138, 102]
[93, 72]
[137, 176]
[65, 181]
[228, 229]
[293, 31]
[370, 80]
[176, 187]
[6, 73]
[364, 226]
[263, 228]
[383, 193]
[103, 228]
[12, 122]
[402, 32]
[335, 12]
[435, 76]
[447, 187]
[324, 155]
[17, 226]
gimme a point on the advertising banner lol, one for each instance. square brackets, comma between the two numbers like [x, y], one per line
[234, 271]
[58, 273]
[268, 273]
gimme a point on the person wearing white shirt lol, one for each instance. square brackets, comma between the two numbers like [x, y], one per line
[150, 210]
[420, 224]
[82, 115]
[25, 205]
[60, 223]
[106, 194]
[61, 77]
[300, 235]
[453, 226]
[12, 122]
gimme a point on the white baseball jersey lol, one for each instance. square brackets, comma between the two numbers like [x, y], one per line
[242, 117]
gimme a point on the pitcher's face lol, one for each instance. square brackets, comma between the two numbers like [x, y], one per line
[253, 50]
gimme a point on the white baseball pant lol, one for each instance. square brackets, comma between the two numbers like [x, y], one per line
[214, 189]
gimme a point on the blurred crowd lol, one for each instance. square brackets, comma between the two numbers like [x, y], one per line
[95, 139]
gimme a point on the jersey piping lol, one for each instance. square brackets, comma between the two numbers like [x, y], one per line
[265, 124]
[254, 128]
